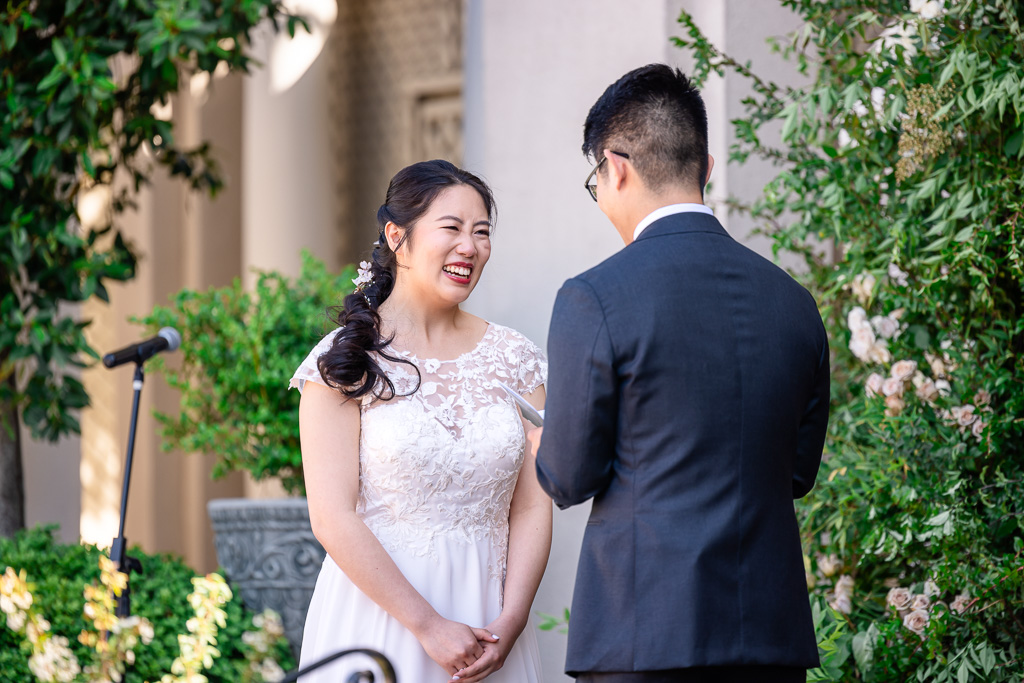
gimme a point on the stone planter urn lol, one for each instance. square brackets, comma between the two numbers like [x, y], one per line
[268, 551]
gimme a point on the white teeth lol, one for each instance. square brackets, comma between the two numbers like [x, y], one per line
[457, 270]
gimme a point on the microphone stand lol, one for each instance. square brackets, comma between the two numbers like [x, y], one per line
[359, 676]
[119, 547]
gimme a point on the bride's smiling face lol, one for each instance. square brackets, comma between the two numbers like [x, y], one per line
[447, 247]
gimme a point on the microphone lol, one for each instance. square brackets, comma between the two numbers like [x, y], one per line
[167, 339]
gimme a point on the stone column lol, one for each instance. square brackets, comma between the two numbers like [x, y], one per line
[184, 239]
[288, 198]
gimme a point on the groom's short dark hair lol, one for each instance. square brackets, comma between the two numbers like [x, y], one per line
[657, 116]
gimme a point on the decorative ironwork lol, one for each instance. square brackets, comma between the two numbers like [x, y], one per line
[359, 676]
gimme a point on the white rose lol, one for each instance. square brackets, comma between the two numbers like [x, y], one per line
[894, 405]
[931, 589]
[966, 417]
[892, 386]
[897, 275]
[978, 428]
[920, 602]
[917, 621]
[885, 326]
[960, 603]
[942, 386]
[271, 671]
[937, 366]
[931, 9]
[982, 398]
[856, 319]
[862, 342]
[841, 603]
[828, 564]
[879, 352]
[842, 595]
[899, 598]
[873, 387]
[903, 370]
[927, 391]
[862, 287]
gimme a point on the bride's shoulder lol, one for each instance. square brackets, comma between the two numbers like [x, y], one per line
[309, 369]
[512, 337]
[325, 342]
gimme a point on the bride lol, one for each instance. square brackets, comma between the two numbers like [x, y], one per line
[436, 531]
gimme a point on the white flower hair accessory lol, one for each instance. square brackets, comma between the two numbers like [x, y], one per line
[365, 275]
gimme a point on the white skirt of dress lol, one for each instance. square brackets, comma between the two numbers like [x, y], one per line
[457, 583]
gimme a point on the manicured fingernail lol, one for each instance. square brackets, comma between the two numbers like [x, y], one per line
[495, 636]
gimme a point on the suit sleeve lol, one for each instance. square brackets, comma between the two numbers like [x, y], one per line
[577, 450]
[813, 426]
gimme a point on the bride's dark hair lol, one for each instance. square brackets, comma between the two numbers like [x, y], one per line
[349, 365]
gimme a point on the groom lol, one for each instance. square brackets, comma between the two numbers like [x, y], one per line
[688, 396]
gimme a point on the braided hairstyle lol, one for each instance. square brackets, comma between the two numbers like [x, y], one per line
[349, 365]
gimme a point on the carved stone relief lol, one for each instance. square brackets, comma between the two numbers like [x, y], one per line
[268, 551]
[396, 98]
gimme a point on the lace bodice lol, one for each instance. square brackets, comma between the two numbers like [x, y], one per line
[443, 461]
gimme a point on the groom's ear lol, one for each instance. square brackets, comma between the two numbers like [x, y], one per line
[707, 178]
[617, 170]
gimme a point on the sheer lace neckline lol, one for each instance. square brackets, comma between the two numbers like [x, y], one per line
[412, 356]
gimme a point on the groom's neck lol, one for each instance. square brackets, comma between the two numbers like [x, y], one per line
[645, 203]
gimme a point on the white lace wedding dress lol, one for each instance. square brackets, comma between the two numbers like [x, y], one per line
[436, 473]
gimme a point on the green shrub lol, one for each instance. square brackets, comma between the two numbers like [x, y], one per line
[58, 574]
[900, 182]
[238, 351]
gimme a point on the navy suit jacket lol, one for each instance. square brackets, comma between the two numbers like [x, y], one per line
[688, 395]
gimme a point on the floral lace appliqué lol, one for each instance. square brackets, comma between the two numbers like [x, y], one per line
[443, 461]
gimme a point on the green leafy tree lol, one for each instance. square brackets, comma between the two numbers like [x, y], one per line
[79, 81]
[902, 153]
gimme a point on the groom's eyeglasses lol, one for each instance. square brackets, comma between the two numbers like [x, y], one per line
[591, 182]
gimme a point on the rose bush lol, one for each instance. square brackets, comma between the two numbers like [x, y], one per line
[900, 185]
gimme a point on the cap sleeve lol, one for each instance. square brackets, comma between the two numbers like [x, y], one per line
[308, 370]
[532, 371]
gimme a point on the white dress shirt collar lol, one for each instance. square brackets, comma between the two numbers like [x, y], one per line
[668, 211]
